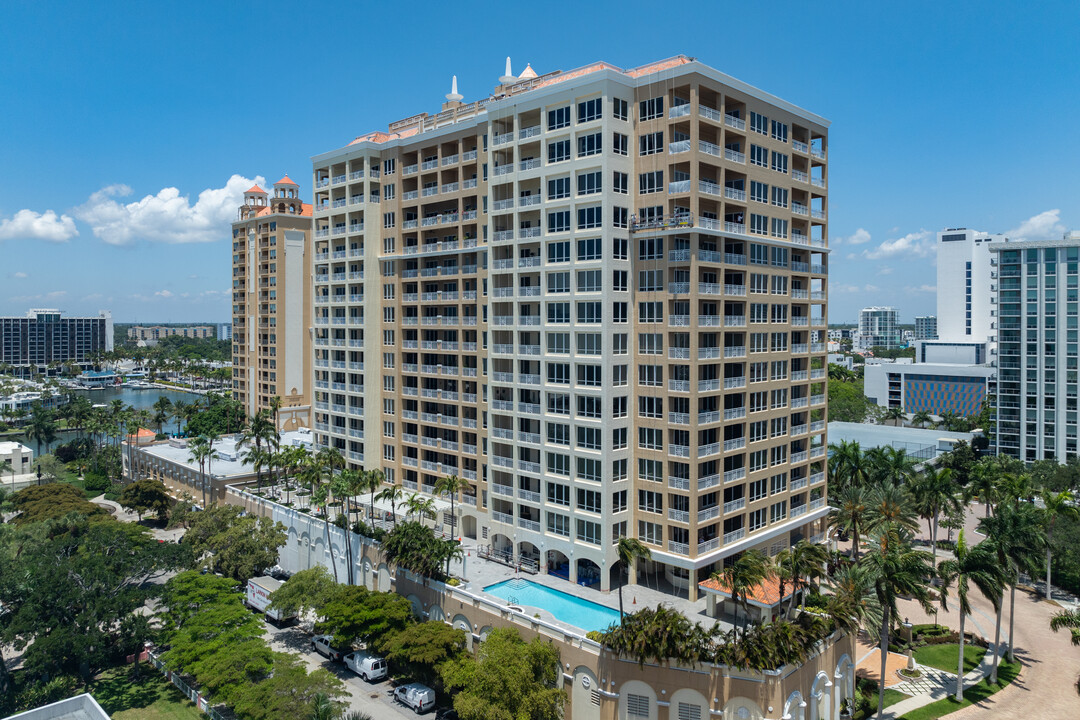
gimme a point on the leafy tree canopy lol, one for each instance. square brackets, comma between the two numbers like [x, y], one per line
[146, 495]
[847, 402]
[356, 613]
[306, 591]
[220, 415]
[419, 650]
[226, 541]
[55, 500]
[509, 679]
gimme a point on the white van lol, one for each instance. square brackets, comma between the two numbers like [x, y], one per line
[419, 697]
[368, 666]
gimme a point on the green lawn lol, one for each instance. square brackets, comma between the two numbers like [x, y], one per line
[1007, 672]
[151, 698]
[944, 657]
[870, 692]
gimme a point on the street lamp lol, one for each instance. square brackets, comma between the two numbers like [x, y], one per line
[910, 658]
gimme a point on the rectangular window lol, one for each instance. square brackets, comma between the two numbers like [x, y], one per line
[590, 217]
[590, 183]
[558, 464]
[651, 312]
[650, 501]
[651, 375]
[780, 197]
[590, 406]
[650, 407]
[650, 280]
[620, 109]
[590, 312]
[650, 438]
[619, 280]
[557, 434]
[589, 280]
[779, 131]
[620, 183]
[558, 312]
[558, 403]
[590, 144]
[620, 144]
[651, 143]
[590, 110]
[650, 109]
[620, 249]
[558, 188]
[558, 524]
[589, 438]
[558, 151]
[779, 162]
[759, 156]
[759, 224]
[558, 373]
[588, 532]
[589, 469]
[651, 249]
[590, 249]
[759, 123]
[779, 228]
[559, 252]
[620, 217]
[558, 493]
[759, 191]
[559, 118]
[590, 375]
[651, 182]
[559, 221]
[620, 312]
[558, 343]
[558, 282]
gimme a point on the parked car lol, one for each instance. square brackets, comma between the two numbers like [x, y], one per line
[419, 697]
[368, 666]
[321, 644]
[446, 714]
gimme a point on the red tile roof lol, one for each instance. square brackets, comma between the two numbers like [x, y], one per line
[285, 181]
[255, 189]
[767, 594]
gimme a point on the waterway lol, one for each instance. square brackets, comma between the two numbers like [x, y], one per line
[137, 398]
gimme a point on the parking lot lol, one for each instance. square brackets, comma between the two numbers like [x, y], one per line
[372, 698]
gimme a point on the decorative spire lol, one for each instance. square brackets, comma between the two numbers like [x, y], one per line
[508, 77]
[453, 95]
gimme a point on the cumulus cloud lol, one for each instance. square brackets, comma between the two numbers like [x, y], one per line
[859, 237]
[916, 244]
[887, 270]
[1044, 226]
[163, 293]
[30, 225]
[19, 275]
[167, 217]
[922, 289]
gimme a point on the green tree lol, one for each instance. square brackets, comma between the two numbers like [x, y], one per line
[629, 551]
[451, 485]
[934, 492]
[850, 514]
[259, 432]
[419, 650]
[307, 591]
[750, 570]
[896, 415]
[1056, 505]
[42, 425]
[802, 565]
[847, 403]
[392, 494]
[202, 451]
[146, 496]
[976, 565]
[508, 680]
[51, 468]
[50, 502]
[287, 692]
[372, 480]
[1068, 620]
[358, 614]
[921, 419]
[416, 548]
[661, 634]
[226, 541]
[894, 569]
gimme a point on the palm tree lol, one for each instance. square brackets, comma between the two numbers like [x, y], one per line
[848, 464]
[372, 480]
[179, 412]
[275, 405]
[893, 568]
[852, 602]
[802, 565]
[895, 414]
[983, 484]
[393, 495]
[6, 465]
[1016, 536]
[422, 507]
[202, 451]
[162, 412]
[975, 565]
[629, 550]
[42, 426]
[258, 431]
[890, 505]
[851, 514]
[922, 419]
[934, 492]
[890, 465]
[742, 576]
[1056, 505]
[452, 485]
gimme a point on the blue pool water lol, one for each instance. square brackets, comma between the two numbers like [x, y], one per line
[566, 608]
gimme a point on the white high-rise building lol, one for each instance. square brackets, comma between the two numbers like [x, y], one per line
[963, 285]
[878, 327]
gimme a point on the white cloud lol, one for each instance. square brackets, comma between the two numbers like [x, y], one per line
[859, 237]
[887, 270]
[19, 275]
[55, 295]
[916, 244]
[48, 226]
[167, 217]
[163, 293]
[91, 297]
[1044, 226]
[922, 288]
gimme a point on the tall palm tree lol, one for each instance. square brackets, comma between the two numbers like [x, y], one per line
[890, 505]
[934, 492]
[983, 483]
[629, 550]
[976, 565]
[162, 412]
[202, 451]
[259, 431]
[851, 514]
[422, 507]
[848, 464]
[890, 465]
[451, 485]
[42, 426]
[393, 495]
[1017, 536]
[372, 481]
[742, 576]
[1056, 505]
[852, 602]
[275, 405]
[179, 412]
[802, 565]
[894, 569]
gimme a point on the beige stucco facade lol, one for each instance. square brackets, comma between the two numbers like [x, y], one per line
[272, 303]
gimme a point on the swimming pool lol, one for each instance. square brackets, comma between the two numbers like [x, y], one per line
[566, 608]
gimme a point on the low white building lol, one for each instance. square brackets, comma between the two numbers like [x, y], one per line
[21, 457]
[935, 388]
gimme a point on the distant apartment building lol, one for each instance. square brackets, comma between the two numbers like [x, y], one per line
[934, 388]
[42, 340]
[963, 285]
[271, 273]
[224, 331]
[926, 328]
[597, 296]
[1037, 284]
[878, 327]
[159, 332]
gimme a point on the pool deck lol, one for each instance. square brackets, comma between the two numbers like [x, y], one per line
[481, 572]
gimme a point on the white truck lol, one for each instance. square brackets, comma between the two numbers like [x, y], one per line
[258, 598]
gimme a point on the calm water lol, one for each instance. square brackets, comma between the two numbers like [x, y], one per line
[136, 398]
[580, 613]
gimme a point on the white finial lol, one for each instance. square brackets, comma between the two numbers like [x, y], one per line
[508, 78]
[453, 95]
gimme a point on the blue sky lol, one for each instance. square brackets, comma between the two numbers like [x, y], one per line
[124, 124]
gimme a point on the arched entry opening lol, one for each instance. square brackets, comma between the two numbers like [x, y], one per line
[558, 564]
[502, 547]
[468, 527]
[528, 555]
[588, 572]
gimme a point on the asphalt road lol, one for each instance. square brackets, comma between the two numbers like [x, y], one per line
[372, 698]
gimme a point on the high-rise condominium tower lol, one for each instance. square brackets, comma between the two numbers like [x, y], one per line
[596, 296]
[272, 303]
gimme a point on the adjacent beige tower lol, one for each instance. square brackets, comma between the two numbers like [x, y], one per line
[272, 303]
[598, 296]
